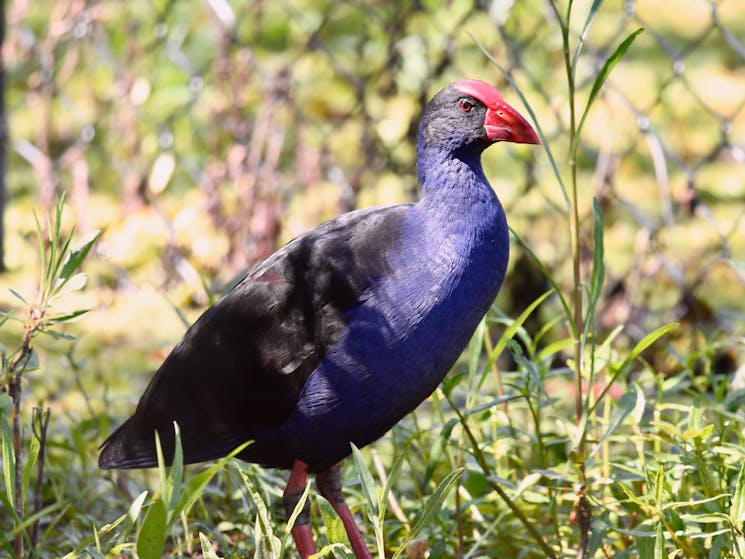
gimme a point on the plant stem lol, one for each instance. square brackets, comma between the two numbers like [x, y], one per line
[584, 514]
[484, 465]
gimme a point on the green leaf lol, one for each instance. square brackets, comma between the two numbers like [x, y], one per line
[366, 480]
[30, 461]
[176, 472]
[18, 296]
[133, 513]
[69, 285]
[598, 255]
[737, 509]
[334, 526]
[437, 449]
[549, 276]
[659, 544]
[605, 71]
[431, 508]
[78, 254]
[207, 551]
[512, 329]
[617, 370]
[151, 541]
[195, 486]
[580, 43]
[506, 75]
[393, 474]
[9, 459]
[626, 404]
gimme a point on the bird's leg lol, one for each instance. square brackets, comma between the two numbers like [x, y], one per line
[329, 485]
[293, 492]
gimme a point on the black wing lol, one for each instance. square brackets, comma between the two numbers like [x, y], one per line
[238, 371]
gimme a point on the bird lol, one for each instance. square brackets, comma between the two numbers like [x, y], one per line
[346, 329]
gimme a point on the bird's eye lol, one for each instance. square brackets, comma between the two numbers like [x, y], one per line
[465, 105]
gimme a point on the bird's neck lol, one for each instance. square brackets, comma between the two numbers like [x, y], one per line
[455, 188]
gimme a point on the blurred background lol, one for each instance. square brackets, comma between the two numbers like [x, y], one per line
[202, 135]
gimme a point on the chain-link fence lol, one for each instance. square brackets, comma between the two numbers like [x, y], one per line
[270, 117]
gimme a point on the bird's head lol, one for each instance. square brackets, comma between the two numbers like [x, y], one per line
[470, 115]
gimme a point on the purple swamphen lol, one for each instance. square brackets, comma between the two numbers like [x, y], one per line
[346, 329]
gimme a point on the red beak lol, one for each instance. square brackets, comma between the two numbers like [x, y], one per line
[505, 124]
[502, 122]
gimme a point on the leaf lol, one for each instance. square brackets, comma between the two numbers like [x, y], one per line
[193, 489]
[506, 75]
[366, 480]
[605, 71]
[437, 449]
[626, 404]
[549, 276]
[659, 543]
[512, 329]
[598, 255]
[151, 541]
[643, 344]
[334, 526]
[6, 438]
[78, 254]
[133, 514]
[68, 285]
[30, 461]
[580, 43]
[176, 472]
[18, 296]
[393, 474]
[207, 551]
[431, 508]
[263, 532]
[737, 509]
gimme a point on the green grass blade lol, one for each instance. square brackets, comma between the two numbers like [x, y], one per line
[626, 404]
[510, 332]
[643, 344]
[438, 448]
[9, 459]
[264, 526]
[605, 71]
[528, 108]
[151, 541]
[207, 551]
[195, 486]
[334, 526]
[393, 474]
[549, 276]
[737, 509]
[366, 480]
[659, 543]
[431, 508]
[581, 42]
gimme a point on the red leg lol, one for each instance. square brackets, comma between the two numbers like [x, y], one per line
[293, 492]
[329, 485]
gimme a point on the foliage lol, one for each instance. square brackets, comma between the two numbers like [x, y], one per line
[579, 422]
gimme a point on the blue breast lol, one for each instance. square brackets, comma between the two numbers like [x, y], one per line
[448, 265]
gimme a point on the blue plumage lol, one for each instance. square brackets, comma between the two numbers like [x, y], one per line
[342, 332]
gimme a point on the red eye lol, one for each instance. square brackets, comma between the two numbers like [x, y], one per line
[465, 105]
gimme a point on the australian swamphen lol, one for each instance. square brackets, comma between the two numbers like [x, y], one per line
[342, 332]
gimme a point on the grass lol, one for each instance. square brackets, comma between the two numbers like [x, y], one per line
[554, 440]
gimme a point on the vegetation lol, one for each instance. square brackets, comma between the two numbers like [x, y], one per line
[597, 411]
